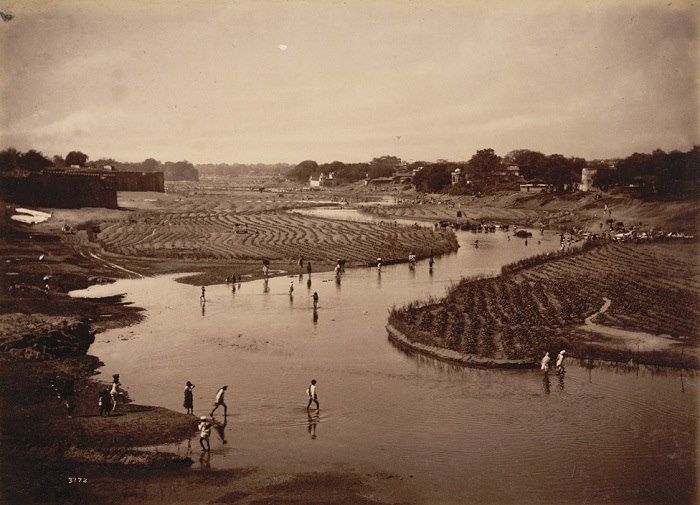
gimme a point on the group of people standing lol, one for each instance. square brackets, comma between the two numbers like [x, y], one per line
[544, 364]
[206, 423]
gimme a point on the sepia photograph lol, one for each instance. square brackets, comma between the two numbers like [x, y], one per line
[349, 252]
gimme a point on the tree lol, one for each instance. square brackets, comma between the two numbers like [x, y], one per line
[531, 164]
[58, 161]
[9, 160]
[34, 161]
[386, 161]
[180, 171]
[484, 165]
[76, 158]
[304, 170]
[433, 178]
[150, 165]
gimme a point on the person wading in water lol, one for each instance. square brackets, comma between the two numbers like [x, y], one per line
[219, 401]
[313, 398]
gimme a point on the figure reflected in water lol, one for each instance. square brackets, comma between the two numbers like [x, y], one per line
[204, 309]
[546, 384]
[220, 429]
[205, 460]
[560, 378]
[308, 283]
[266, 286]
[315, 316]
[337, 281]
[314, 419]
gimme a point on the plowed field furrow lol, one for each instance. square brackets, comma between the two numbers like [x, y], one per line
[653, 288]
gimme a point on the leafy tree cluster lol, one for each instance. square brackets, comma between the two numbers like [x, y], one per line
[436, 177]
[671, 173]
[173, 171]
[12, 160]
[383, 166]
[554, 169]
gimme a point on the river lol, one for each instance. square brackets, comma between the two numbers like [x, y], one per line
[451, 435]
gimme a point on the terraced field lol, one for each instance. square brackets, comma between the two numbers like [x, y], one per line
[193, 233]
[653, 288]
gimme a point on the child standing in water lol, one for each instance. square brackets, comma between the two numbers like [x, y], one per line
[204, 433]
[544, 365]
[315, 299]
[202, 298]
[291, 287]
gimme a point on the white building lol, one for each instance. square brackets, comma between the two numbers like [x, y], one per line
[587, 176]
[322, 180]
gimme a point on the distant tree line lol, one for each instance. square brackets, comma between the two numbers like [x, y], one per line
[671, 173]
[242, 169]
[12, 160]
[383, 166]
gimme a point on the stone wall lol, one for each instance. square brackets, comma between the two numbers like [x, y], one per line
[61, 190]
[140, 181]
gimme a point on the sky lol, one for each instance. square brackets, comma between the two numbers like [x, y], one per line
[271, 81]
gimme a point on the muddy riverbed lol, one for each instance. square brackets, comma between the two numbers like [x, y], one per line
[448, 434]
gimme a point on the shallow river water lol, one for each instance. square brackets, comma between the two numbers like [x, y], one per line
[450, 434]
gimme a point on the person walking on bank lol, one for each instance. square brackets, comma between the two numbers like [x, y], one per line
[311, 391]
[560, 360]
[189, 399]
[204, 433]
[105, 402]
[219, 401]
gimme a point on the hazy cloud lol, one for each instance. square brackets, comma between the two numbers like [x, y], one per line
[212, 82]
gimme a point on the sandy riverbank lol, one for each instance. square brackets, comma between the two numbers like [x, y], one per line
[550, 211]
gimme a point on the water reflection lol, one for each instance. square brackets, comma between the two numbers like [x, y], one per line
[560, 378]
[266, 285]
[546, 384]
[314, 419]
[204, 308]
[205, 460]
[483, 418]
[220, 429]
[315, 316]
